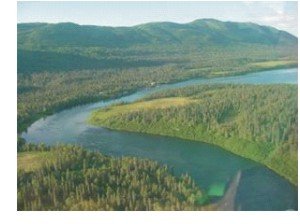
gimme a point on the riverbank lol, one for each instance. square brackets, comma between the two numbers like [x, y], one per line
[71, 178]
[228, 125]
[26, 121]
[236, 146]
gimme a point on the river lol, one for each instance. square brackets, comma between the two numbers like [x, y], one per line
[210, 166]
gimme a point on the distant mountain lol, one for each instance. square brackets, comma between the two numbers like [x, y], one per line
[198, 33]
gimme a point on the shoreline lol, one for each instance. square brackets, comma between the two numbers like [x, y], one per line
[194, 140]
[38, 116]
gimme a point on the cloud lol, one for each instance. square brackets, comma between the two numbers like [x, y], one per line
[282, 15]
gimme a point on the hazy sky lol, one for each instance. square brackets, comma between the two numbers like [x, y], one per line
[282, 15]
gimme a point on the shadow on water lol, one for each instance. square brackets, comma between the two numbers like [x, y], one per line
[212, 168]
[258, 189]
[241, 183]
[261, 189]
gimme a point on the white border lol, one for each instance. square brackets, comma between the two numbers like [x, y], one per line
[8, 197]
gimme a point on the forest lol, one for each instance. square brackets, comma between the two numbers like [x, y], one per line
[258, 122]
[45, 92]
[201, 32]
[66, 177]
[65, 65]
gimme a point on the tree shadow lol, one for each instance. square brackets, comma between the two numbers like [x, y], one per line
[41, 61]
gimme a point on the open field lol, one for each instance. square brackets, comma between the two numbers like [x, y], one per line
[120, 109]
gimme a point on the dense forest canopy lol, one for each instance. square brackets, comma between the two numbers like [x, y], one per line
[196, 33]
[63, 65]
[70, 178]
[257, 122]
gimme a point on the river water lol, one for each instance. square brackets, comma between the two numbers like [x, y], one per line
[210, 166]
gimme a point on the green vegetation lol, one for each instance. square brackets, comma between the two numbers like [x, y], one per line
[41, 94]
[274, 64]
[257, 122]
[197, 33]
[135, 107]
[64, 65]
[70, 178]
[30, 161]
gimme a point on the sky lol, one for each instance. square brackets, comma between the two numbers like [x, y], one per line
[281, 15]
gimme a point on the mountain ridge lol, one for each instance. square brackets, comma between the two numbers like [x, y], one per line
[196, 33]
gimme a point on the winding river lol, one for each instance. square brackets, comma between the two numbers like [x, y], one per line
[210, 166]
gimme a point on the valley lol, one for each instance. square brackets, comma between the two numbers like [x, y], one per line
[166, 114]
[57, 71]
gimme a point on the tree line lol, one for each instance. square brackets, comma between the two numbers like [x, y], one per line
[255, 121]
[72, 178]
[44, 91]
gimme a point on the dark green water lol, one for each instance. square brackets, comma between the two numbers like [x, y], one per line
[210, 166]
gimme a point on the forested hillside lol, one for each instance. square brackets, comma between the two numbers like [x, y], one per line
[196, 33]
[63, 65]
[257, 122]
[70, 178]
[68, 47]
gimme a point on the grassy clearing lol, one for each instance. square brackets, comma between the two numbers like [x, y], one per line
[255, 67]
[274, 64]
[31, 161]
[116, 110]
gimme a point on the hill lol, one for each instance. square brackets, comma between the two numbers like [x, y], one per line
[198, 33]
[65, 64]
[69, 46]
